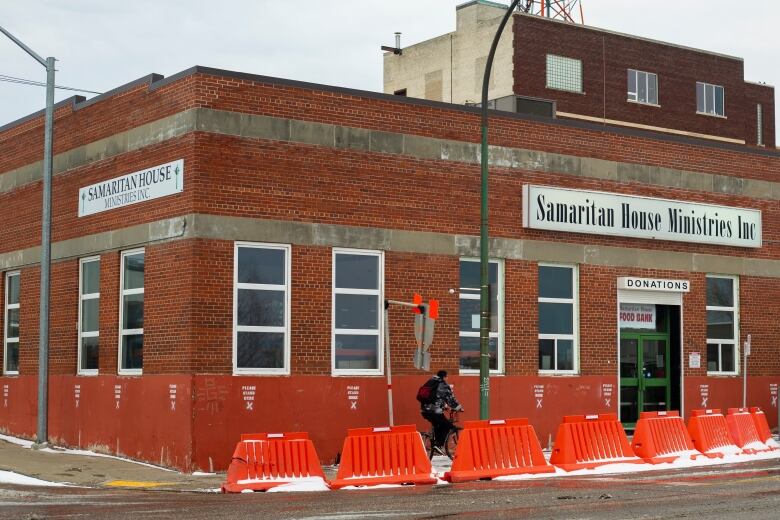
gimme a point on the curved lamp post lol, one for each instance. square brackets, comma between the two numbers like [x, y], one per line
[484, 294]
[43, 336]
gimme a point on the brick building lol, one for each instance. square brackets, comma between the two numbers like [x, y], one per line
[587, 74]
[222, 244]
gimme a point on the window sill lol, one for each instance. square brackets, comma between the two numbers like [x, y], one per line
[470, 372]
[581, 93]
[357, 374]
[722, 374]
[131, 372]
[710, 115]
[10, 374]
[87, 373]
[558, 373]
[262, 373]
[655, 105]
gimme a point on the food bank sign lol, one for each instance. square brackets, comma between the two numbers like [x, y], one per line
[598, 213]
[152, 183]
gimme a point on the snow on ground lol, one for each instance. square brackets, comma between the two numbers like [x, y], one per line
[24, 443]
[9, 477]
[302, 484]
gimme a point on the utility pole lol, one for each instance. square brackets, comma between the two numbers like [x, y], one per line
[43, 341]
[484, 258]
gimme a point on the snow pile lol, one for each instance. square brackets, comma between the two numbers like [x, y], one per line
[302, 484]
[9, 477]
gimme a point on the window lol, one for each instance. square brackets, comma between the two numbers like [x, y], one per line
[722, 324]
[564, 73]
[558, 321]
[642, 87]
[759, 125]
[710, 99]
[89, 315]
[11, 320]
[131, 313]
[261, 312]
[357, 311]
[470, 316]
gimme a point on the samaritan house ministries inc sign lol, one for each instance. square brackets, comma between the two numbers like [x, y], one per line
[152, 183]
[598, 213]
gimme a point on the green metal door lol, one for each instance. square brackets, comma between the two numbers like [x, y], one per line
[644, 375]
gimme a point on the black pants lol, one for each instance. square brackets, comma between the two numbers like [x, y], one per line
[441, 426]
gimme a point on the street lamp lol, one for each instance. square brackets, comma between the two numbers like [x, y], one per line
[484, 296]
[43, 337]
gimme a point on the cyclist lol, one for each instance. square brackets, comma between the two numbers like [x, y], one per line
[433, 411]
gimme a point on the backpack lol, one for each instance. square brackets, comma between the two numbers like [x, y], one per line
[427, 392]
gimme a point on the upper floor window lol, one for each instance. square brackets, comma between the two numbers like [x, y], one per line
[358, 279]
[261, 314]
[11, 320]
[89, 315]
[131, 313]
[564, 73]
[722, 324]
[470, 314]
[558, 318]
[710, 99]
[642, 87]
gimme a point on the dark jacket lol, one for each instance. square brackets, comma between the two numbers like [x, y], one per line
[444, 398]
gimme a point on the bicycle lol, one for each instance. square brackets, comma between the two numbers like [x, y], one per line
[450, 442]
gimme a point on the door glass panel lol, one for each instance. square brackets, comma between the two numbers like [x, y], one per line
[654, 399]
[629, 407]
[628, 357]
[654, 358]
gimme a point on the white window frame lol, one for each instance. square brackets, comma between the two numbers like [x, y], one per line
[574, 336]
[128, 292]
[719, 342]
[285, 329]
[379, 293]
[633, 97]
[81, 333]
[500, 366]
[7, 307]
[550, 60]
[712, 87]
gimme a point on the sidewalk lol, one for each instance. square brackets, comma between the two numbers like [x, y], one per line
[97, 471]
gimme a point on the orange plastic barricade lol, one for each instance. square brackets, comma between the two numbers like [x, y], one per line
[588, 441]
[762, 427]
[387, 455]
[742, 428]
[265, 460]
[662, 437]
[489, 449]
[710, 433]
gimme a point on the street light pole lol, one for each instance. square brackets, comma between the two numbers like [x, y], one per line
[484, 258]
[43, 336]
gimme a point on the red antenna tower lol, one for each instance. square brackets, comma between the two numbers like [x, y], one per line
[565, 10]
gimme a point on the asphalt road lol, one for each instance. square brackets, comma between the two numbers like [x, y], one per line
[747, 491]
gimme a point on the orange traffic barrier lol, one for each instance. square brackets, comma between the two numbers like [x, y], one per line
[489, 449]
[588, 441]
[265, 460]
[387, 455]
[662, 437]
[710, 433]
[762, 427]
[742, 428]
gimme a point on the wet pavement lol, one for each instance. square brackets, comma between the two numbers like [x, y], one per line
[738, 491]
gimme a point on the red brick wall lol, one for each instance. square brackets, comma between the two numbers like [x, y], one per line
[765, 96]
[605, 59]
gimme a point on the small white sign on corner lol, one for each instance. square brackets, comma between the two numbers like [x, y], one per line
[694, 360]
[141, 186]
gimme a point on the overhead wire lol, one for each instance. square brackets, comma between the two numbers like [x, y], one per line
[22, 81]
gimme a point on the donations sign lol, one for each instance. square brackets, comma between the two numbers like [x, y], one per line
[599, 213]
[153, 183]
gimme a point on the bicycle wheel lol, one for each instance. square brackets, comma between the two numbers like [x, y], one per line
[428, 443]
[451, 444]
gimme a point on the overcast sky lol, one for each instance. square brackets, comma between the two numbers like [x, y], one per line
[101, 44]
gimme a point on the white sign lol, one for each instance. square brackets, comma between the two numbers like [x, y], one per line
[637, 316]
[599, 213]
[653, 284]
[141, 186]
[694, 360]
